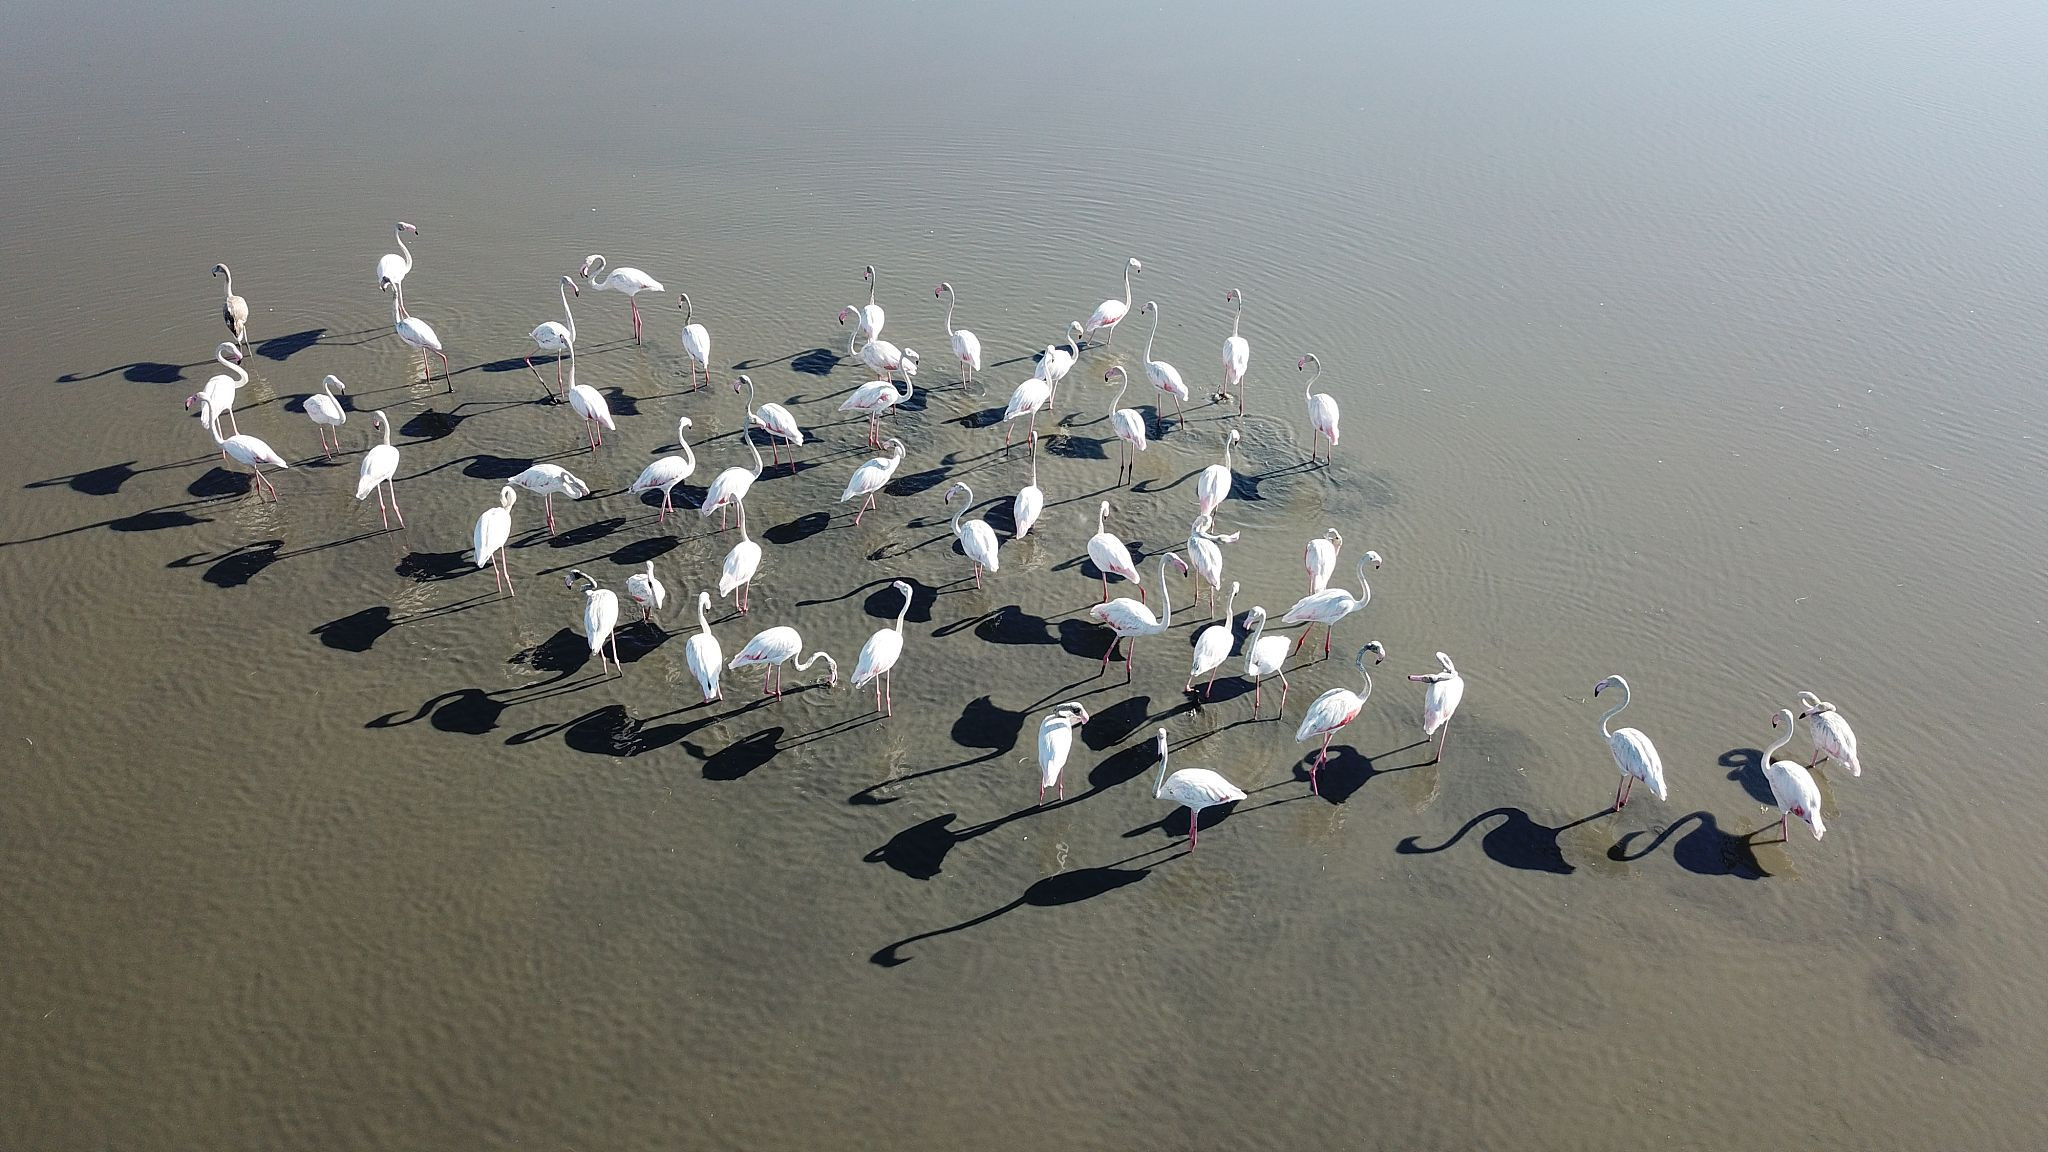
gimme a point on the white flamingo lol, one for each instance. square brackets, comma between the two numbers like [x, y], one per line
[730, 487]
[1055, 741]
[879, 655]
[1331, 605]
[876, 399]
[647, 590]
[869, 314]
[380, 463]
[392, 267]
[1212, 487]
[1237, 351]
[600, 619]
[1320, 557]
[1130, 619]
[234, 311]
[630, 282]
[488, 538]
[696, 341]
[886, 358]
[1322, 409]
[1129, 424]
[1110, 313]
[550, 336]
[966, 345]
[1212, 647]
[1335, 709]
[977, 539]
[1030, 499]
[1164, 377]
[248, 451]
[1446, 689]
[1193, 789]
[664, 474]
[326, 412]
[872, 477]
[1110, 555]
[420, 337]
[1029, 399]
[1833, 739]
[703, 654]
[1054, 365]
[741, 565]
[773, 419]
[772, 648]
[548, 481]
[1634, 756]
[589, 404]
[1206, 558]
[218, 393]
[1264, 656]
[1792, 786]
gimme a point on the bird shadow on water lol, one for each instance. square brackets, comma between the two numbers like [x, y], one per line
[1518, 841]
[1705, 850]
[1055, 891]
[1746, 767]
[289, 345]
[981, 724]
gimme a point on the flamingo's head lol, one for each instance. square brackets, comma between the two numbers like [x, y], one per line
[1301, 365]
[942, 289]
[1812, 704]
[334, 382]
[1230, 296]
[909, 362]
[1135, 266]
[1372, 557]
[843, 312]
[1378, 650]
[573, 486]
[589, 260]
[404, 227]
[1782, 716]
[233, 353]
[1148, 306]
[191, 400]
[377, 421]
[868, 274]
[220, 269]
[1607, 683]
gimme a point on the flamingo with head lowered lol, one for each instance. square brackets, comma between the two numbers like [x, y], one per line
[664, 474]
[888, 359]
[630, 282]
[600, 619]
[1130, 619]
[1206, 558]
[548, 481]
[1110, 313]
[1334, 710]
[1193, 789]
[771, 648]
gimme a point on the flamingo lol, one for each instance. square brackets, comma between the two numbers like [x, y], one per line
[1165, 377]
[1028, 399]
[1110, 555]
[326, 412]
[966, 345]
[1322, 409]
[870, 478]
[1193, 789]
[696, 341]
[773, 419]
[1055, 741]
[1446, 689]
[877, 398]
[1237, 351]
[589, 404]
[1030, 498]
[703, 654]
[600, 619]
[488, 538]
[871, 316]
[772, 648]
[1054, 365]
[393, 268]
[629, 282]
[219, 390]
[730, 487]
[1212, 487]
[1264, 656]
[1792, 786]
[1212, 647]
[667, 472]
[380, 463]
[740, 566]
[1206, 558]
[420, 336]
[247, 451]
[1833, 739]
[1331, 605]
[879, 655]
[1634, 755]
[547, 481]
[1128, 422]
[977, 539]
[1335, 709]
[234, 311]
[1110, 313]
[1130, 619]
[647, 590]
[1320, 557]
[888, 359]
[549, 336]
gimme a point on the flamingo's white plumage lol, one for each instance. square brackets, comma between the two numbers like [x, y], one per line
[325, 411]
[1322, 409]
[1164, 377]
[1331, 605]
[977, 539]
[248, 451]
[740, 567]
[1130, 619]
[702, 652]
[1129, 424]
[1055, 742]
[600, 619]
[879, 655]
[1212, 647]
[1110, 313]
[696, 341]
[1237, 351]
[966, 345]
[1440, 702]
[1833, 739]
[394, 267]
[487, 539]
[1212, 487]
[1264, 656]
[773, 419]
[549, 481]
[1110, 556]
[876, 399]
[1030, 500]
[1792, 786]
[771, 648]
[1320, 557]
[730, 487]
[1193, 789]
[646, 589]
[379, 465]
[1206, 558]
[556, 337]
[630, 282]
[872, 476]
[664, 474]
[1331, 712]
[1634, 756]
[420, 337]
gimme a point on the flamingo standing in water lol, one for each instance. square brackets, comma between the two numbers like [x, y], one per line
[773, 419]
[730, 487]
[1029, 399]
[1206, 558]
[589, 405]
[966, 345]
[1030, 498]
[219, 391]
[772, 648]
[248, 451]
[1055, 741]
[1212, 487]
[1634, 755]
[977, 539]
[630, 282]
[888, 359]
[1320, 557]
[549, 336]
[1130, 619]
[879, 655]
[1110, 313]
[696, 341]
[393, 268]
[1212, 647]
[326, 412]
[420, 336]
[1331, 605]
[667, 472]
[1107, 550]
[600, 619]
[1129, 424]
[549, 480]
[703, 653]
[1833, 739]
[647, 590]
[488, 538]
[380, 463]
[870, 314]
[741, 564]
[1164, 377]
[872, 477]
[1237, 351]
[1264, 656]
[234, 311]
[1193, 789]
[1054, 365]
[1792, 786]
[876, 399]
[1334, 710]
[1322, 410]
[1446, 689]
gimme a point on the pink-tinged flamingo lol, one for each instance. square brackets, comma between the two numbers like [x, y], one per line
[1334, 710]
[646, 590]
[1833, 739]
[879, 655]
[771, 648]
[1110, 313]
[1193, 789]
[420, 337]
[1331, 605]
[1130, 619]
[664, 474]
[548, 481]
[248, 451]
[773, 419]
[1446, 689]
[1792, 786]
[631, 282]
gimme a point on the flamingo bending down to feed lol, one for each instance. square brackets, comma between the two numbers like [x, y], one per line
[600, 619]
[696, 341]
[547, 481]
[1264, 656]
[876, 399]
[647, 590]
[325, 411]
[1446, 689]
[664, 474]
[392, 267]
[550, 336]
[966, 345]
[1331, 605]
[420, 336]
[1193, 789]
[1055, 741]
[1130, 619]
[730, 487]
[234, 311]
[1212, 487]
[380, 463]
[488, 538]
[1107, 550]
[977, 539]
[879, 655]
[1212, 647]
[872, 477]
[218, 394]
[1833, 739]
[1634, 756]
[1792, 786]
[631, 282]
[741, 565]
[1206, 558]
[703, 653]
[1129, 424]
[1322, 410]
[1335, 709]
[1110, 313]
[1237, 351]
[1030, 499]
[1320, 557]
[773, 419]
[1164, 377]
[772, 648]
[248, 451]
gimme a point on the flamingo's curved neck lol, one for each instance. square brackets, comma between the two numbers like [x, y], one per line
[689, 309]
[1251, 642]
[398, 234]
[227, 291]
[871, 287]
[1616, 710]
[1118, 402]
[385, 421]
[949, 310]
[1308, 388]
[820, 654]
[902, 612]
[240, 372]
[1239, 317]
[689, 454]
[1165, 593]
[1159, 783]
[568, 315]
[964, 506]
[599, 275]
[1228, 441]
[1127, 285]
[756, 452]
[703, 625]
[1154, 334]
[1780, 742]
